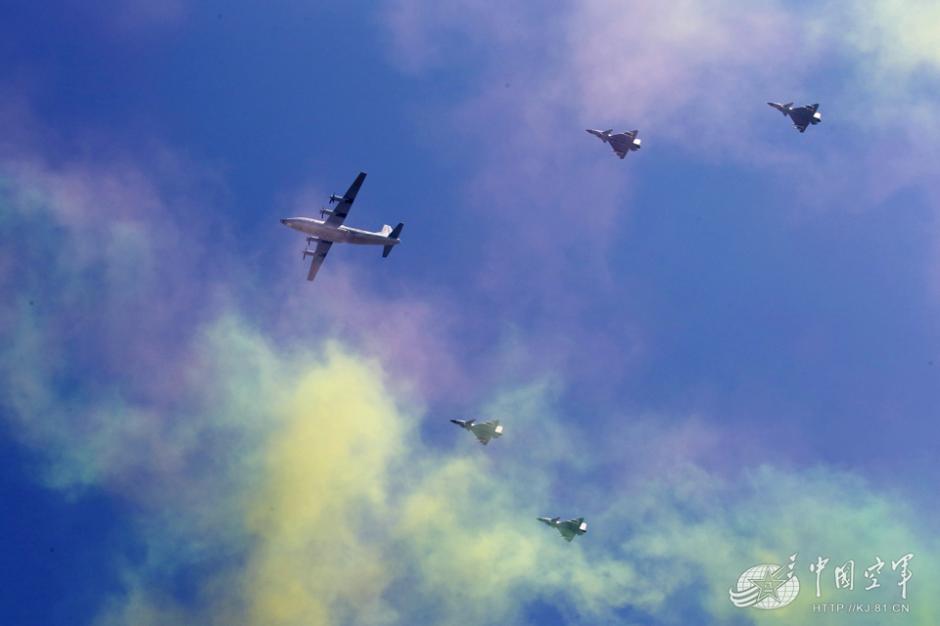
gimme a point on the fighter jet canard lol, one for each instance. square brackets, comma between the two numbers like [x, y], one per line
[622, 143]
[569, 529]
[326, 232]
[802, 116]
[484, 431]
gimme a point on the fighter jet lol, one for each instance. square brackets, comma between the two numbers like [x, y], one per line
[801, 116]
[331, 230]
[569, 529]
[622, 143]
[484, 431]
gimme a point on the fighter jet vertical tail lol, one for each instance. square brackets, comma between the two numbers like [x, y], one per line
[392, 235]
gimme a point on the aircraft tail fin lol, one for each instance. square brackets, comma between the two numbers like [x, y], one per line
[394, 234]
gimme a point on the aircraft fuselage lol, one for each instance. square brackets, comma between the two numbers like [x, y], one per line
[319, 229]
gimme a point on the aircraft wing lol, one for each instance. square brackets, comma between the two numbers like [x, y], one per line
[621, 143]
[318, 257]
[341, 210]
[486, 431]
[566, 531]
[803, 116]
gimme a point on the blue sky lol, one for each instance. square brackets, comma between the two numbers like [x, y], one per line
[732, 330]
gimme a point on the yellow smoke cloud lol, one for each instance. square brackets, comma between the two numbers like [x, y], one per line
[324, 486]
[351, 504]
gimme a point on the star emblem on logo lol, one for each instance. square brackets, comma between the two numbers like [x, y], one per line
[766, 586]
[769, 583]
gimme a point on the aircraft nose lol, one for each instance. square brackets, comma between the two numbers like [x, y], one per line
[284, 222]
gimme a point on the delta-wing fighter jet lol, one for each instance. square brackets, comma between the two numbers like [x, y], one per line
[802, 116]
[484, 431]
[326, 232]
[622, 143]
[569, 529]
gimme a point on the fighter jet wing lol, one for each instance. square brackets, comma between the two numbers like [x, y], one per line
[341, 210]
[566, 531]
[621, 142]
[487, 430]
[571, 528]
[318, 257]
[803, 116]
[808, 118]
